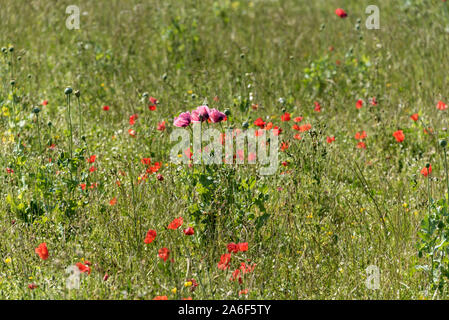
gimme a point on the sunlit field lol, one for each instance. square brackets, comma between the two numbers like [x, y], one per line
[96, 203]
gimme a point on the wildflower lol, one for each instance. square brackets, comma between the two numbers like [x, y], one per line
[189, 231]
[176, 223]
[113, 201]
[359, 104]
[201, 114]
[233, 248]
[160, 298]
[260, 123]
[305, 127]
[426, 171]
[132, 132]
[284, 146]
[106, 108]
[243, 246]
[152, 107]
[441, 105]
[298, 119]
[361, 145]
[32, 286]
[297, 136]
[153, 100]
[183, 120]
[92, 169]
[241, 292]
[285, 117]
[360, 135]
[399, 135]
[161, 126]
[45, 102]
[373, 101]
[151, 235]
[132, 119]
[91, 159]
[414, 117]
[330, 139]
[160, 177]
[42, 251]
[216, 116]
[225, 259]
[106, 277]
[164, 253]
[317, 107]
[83, 268]
[9, 170]
[341, 13]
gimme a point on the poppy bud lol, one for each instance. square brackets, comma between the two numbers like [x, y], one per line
[245, 125]
[19, 58]
[68, 90]
[322, 27]
[36, 110]
[4, 50]
[160, 177]
[11, 49]
[443, 143]
[29, 76]
[83, 138]
[193, 96]
[359, 20]
[242, 56]
[164, 76]
[77, 93]
[227, 112]
[12, 82]
[427, 165]
[145, 94]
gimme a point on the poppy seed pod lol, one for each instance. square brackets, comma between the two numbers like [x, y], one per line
[245, 125]
[12, 82]
[77, 93]
[4, 50]
[68, 90]
[145, 94]
[427, 165]
[11, 49]
[227, 112]
[36, 110]
[443, 143]
[49, 124]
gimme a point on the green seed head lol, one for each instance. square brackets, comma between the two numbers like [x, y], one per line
[245, 125]
[36, 110]
[443, 143]
[68, 90]
[227, 112]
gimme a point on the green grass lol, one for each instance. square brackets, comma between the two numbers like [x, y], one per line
[332, 211]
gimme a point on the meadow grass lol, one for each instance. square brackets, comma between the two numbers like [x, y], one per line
[312, 228]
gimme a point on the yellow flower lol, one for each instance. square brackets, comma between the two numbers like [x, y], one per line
[188, 284]
[405, 205]
[8, 260]
[174, 290]
[362, 209]
[190, 92]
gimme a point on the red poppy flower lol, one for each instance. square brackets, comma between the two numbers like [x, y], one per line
[297, 136]
[259, 122]
[153, 100]
[91, 159]
[233, 247]
[92, 169]
[146, 161]
[361, 145]
[373, 101]
[32, 286]
[113, 201]
[133, 118]
[317, 107]
[305, 127]
[161, 126]
[189, 231]
[160, 298]
[225, 259]
[151, 235]
[42, 251]
[176, 223]
[106, 277]
[360, 135]
[9, 170]
[45, 102]
[284, 146]
[425, 172]
[106, 108]
[132, 133]
[441, 105]
[359, 104]
[341, 13]
[414, 117]
[83, 268]
[243, 246]
[152, 107]
[298, 119]
[330, 139]
[285, 117]
[164, 253]
[399, 135]
[83, 186]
